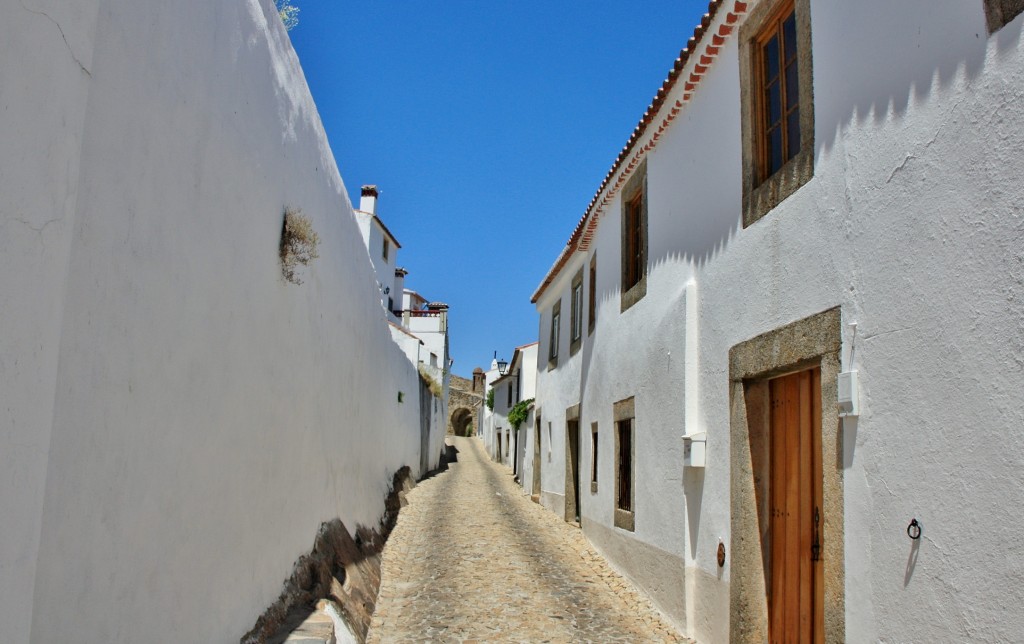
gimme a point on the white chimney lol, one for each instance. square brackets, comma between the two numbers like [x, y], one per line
[368, 200]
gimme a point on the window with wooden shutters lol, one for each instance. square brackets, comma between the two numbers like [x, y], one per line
[779, 85]
[777, 106]
[634, 238]
[576, 296]
[624, 459]
[625, 466]
[553, 340]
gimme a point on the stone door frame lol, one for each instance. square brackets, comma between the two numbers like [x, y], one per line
[810, 342]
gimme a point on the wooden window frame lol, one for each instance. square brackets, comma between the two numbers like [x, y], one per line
[576, 306]
[624, 414]
[634, 238]
[762, 192]
[556, 320]
[593, 457]
[773, 29]
[384, 252]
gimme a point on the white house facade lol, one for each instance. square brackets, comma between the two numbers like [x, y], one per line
[382, 247]
[516, 384]
[807, 262]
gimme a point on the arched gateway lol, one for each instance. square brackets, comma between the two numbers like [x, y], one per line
[464, 404]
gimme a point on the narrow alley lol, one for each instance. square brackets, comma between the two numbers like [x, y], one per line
[473, 559]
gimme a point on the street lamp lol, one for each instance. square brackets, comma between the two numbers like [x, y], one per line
[502, 367]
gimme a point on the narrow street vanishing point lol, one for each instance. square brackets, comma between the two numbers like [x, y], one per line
[473, 559]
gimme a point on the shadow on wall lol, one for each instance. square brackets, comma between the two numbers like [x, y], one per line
[915, 66]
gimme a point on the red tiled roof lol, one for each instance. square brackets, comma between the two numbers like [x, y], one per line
[629, 158]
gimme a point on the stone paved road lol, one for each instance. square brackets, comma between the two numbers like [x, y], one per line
[474, 560]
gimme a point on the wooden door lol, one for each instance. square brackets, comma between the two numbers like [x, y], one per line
[536, 460]
[573, 429]
[795, 592]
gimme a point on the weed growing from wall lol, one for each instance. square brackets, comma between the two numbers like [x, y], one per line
[298, 243]
[434, 385]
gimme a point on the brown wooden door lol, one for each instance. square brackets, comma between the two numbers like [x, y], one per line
[795, 595]
[573, 465]
[536, 460]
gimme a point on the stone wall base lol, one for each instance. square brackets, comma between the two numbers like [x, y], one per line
[342, 570]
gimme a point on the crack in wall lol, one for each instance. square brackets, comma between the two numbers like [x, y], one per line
[61, 30]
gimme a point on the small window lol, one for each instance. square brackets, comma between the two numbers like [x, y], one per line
[387, 246]
[624, 499]
[633, 256]
[593, 458]
[577, 311]
[508, 402]
[592, 301]
[576, 296]
[777, 106]
[634, 238]
[625, 424]
[553, 341]
[778, 82]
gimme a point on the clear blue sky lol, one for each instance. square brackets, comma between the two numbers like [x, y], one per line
[488, 126]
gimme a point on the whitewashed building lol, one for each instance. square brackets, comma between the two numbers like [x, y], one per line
[419, 327]
[807, 262]
[516, 382]
[382, 247]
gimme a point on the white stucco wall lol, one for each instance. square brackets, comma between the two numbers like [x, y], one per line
[41, 130]
[177, 419]
[912, 225]
[384, 268]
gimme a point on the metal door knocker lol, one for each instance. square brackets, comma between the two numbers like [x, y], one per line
[721, 554]
[914, 530]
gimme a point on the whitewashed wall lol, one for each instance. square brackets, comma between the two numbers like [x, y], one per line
[912, 224]
[177, 419]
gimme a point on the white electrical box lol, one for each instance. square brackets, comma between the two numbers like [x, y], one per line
[695, 449]
[848, 394]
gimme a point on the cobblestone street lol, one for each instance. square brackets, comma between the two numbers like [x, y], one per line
[473, 559]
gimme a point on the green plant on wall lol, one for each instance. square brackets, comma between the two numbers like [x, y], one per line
[519, 412]
[298, 243]
[490, 399]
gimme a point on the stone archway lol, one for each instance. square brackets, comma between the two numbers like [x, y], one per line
[462, 421]
[464, 404]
